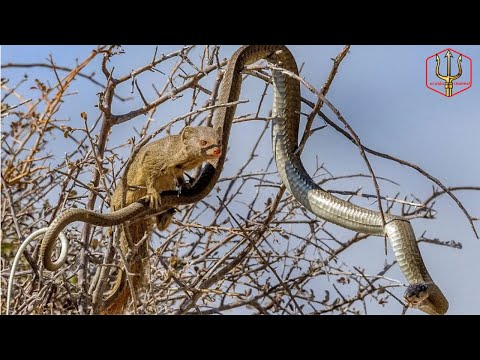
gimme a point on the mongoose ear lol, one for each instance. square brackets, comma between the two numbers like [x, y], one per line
[187, 132]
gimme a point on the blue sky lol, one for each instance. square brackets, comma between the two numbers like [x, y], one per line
[381, 92]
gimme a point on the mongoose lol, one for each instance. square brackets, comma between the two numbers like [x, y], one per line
[158, 166]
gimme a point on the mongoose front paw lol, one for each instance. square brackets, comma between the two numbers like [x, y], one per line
[154, 199]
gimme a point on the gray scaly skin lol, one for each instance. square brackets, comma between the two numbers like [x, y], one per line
[286, 114]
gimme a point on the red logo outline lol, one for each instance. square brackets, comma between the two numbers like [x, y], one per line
[441, 52]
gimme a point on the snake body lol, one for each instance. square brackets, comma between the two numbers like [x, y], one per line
[423, 292]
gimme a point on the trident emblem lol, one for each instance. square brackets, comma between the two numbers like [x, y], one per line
[449, 77]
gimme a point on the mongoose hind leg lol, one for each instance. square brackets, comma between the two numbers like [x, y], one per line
[164, 220]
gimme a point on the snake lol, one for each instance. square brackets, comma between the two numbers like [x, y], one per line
[422, 292]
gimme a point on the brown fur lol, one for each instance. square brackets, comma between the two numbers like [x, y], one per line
[158, 166]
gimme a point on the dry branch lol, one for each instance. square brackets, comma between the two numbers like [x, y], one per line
[246, 248]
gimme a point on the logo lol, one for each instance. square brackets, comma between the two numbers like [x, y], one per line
[449, 72]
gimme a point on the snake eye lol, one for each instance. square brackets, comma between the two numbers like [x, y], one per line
[203, 143]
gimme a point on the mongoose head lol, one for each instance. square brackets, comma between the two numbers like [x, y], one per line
[202, 142]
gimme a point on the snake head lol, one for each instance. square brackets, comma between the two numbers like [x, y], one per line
[427, 298]
[416, 294]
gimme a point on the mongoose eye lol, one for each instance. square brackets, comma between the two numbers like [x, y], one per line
[203, 143]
